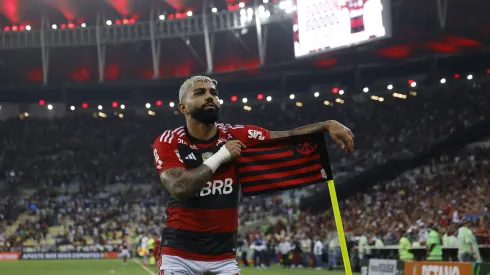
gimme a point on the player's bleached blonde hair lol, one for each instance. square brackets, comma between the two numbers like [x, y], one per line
[187, 85]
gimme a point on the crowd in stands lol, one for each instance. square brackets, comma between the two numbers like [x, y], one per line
[83, 182]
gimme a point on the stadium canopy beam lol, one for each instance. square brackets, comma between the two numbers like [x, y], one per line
[155, 46]
[44, 50]
[101, 48]
[207, 43]
[442, 12]
[261, 44]
[187, 41]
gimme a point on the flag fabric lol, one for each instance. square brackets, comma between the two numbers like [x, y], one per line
[282, 164]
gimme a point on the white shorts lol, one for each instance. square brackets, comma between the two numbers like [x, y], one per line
[173, 265]
[125, 253]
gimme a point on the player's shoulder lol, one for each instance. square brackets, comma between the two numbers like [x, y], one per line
[170, 136]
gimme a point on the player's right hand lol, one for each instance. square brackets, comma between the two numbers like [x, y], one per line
[235, 148]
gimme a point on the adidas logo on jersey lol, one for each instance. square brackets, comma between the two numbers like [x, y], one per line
[191, 156]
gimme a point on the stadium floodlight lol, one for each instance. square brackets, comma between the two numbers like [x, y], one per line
[291, 96]
[50, 107]
[390, 87]
[341, 92]
[123, 106]
[443, 80]
[72, 108]
[265, 1]
[161, 17]
[261, 9]
[28, 27]
[54, 27]
[214, 9]
[108, 22]
[241, 4]
[99, 107]
[316, 94]
[269, 98]
[189, 13]
[148, 105]
[221, 101]
[366, 89]
[470, 77]
[413, 84]
[171, 104]
[83, 25]
[244, 100]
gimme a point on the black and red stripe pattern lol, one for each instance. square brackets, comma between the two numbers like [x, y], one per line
[282, 164]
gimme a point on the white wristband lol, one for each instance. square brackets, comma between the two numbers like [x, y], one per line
[222, 156]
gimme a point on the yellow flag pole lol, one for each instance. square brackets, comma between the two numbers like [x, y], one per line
[340, 228]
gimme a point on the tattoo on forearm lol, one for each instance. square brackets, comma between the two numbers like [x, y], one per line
[304, 130]
[182, 183]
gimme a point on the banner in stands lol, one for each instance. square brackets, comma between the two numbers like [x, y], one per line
[62, 255]
[382, 267]
[481, 269]
[9, 256]
[438, 268]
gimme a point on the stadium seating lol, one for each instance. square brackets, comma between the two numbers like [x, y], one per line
[81, 183]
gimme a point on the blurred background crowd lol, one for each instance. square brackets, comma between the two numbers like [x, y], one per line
[83, 183]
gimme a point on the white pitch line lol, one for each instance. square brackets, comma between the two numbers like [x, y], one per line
[144, 267]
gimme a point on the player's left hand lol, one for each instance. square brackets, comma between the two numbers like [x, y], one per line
[342, 135]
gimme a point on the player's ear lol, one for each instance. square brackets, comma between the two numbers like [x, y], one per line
[183, 108]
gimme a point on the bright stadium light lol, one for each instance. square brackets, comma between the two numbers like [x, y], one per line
[54, 27]
[108, 22]
[244, 100]
[221, 101]
[316, 94]
[214, 10]
[470, 77]
[261, 9]
[269, 98]
[72, 108]
[413, 84]
[50, 107]
[161, 17]
[390, 87]
[99, 107]
[83, 25]
[189, 13]
[291, 96]
[265, 1]
[28, 27]
[241, 4]
[123, 106]
[171, 104]
[443, 80]
[148, 105]
[366, 89]
[341, 92]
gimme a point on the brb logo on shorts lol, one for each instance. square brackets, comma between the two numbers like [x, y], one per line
[256, 134]
[216, 187]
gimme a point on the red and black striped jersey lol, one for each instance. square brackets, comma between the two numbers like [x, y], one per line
[203, 227]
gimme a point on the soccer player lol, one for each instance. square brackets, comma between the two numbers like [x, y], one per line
[125, 252]
[195, 166]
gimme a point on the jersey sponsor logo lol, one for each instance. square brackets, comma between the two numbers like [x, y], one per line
[255, 134]
[216, 187]
[193, 147]
[178, 155]
[158, 161]
[181, 141]
[221, 140]
[191, 156]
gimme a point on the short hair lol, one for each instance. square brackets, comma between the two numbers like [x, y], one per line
[187, 85]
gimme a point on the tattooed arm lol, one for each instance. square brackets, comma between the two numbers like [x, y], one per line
[182, 183]
[340, 134]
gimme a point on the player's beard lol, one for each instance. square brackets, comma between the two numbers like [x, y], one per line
[207, 116]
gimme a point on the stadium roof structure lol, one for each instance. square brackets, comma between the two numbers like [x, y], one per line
[430, 37]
